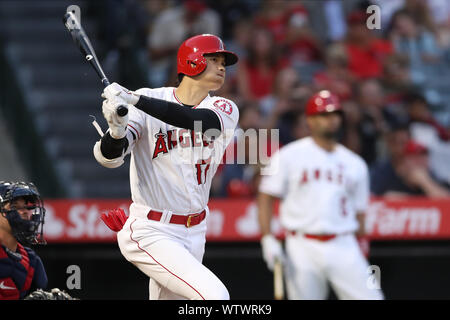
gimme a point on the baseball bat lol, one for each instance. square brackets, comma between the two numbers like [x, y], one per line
[82, 41]
[278, 285]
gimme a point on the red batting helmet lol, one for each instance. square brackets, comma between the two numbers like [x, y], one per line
[191, 61]
[322, 102]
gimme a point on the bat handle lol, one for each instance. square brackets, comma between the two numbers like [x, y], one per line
[122, 110]
[105, 82]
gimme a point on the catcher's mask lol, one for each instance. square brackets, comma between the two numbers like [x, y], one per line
[23, 197]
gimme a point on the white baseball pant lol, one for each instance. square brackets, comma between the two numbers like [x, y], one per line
[312, 264]
[171, 255]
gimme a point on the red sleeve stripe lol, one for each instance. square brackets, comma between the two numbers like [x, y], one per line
[176, 98]
[26, 263]
[137, 132]
[25, 259]
[28, 280]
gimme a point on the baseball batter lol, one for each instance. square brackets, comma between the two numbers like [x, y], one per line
[324, 191]
[176, 137]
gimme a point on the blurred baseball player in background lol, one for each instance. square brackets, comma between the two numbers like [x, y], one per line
[21, 224]
[173, 160]
[324, 191]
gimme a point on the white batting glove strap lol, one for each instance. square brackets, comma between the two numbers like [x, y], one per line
[117, 124]
[118, 94]
[272, 250]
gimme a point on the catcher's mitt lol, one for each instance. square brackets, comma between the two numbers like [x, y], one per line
[54, 294]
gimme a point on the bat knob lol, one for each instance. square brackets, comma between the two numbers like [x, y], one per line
[122, 111]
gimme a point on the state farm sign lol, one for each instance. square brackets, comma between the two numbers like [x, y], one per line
[237, 220]
[415, 218]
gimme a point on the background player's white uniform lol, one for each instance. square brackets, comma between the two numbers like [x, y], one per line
[321, 192]
[170, 172]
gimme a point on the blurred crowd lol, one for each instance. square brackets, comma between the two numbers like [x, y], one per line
[391, 81]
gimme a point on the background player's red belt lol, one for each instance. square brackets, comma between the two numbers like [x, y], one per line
[188, 220]
[320, 237]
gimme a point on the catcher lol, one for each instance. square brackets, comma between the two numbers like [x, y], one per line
[21, 224]
[22, 274]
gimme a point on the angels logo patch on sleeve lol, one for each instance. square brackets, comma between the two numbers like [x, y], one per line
[224, 106]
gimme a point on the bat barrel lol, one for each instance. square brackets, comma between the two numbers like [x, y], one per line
[82, 40]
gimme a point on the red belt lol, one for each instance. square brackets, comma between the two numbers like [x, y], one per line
[188, 220]
[320, 237]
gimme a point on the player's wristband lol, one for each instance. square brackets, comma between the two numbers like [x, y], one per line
[113, 148]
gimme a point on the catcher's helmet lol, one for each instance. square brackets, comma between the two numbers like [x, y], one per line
[322, 102]
[25, 231]
[190, 59]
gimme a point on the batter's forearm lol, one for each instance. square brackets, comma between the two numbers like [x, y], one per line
[178, 115]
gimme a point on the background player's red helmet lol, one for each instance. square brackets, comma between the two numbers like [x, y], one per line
[190, 59]
[322, 102]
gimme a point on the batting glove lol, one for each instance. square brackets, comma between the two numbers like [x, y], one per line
[117, 124]
[119, 95]
[272, 250]
[114, 219]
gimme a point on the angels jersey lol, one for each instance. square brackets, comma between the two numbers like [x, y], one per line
[321, 191]
[171, 168]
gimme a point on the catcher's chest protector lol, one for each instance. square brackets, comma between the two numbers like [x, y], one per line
[20, 272]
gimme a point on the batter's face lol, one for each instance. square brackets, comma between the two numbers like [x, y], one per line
[214, 75]
[325, 125]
